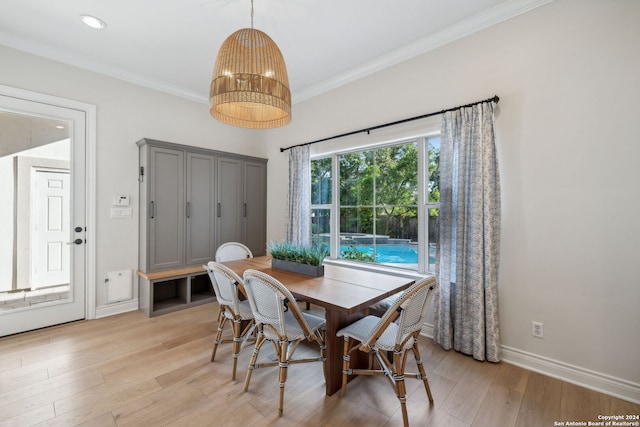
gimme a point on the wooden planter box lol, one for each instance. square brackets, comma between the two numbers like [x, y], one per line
[306, 269]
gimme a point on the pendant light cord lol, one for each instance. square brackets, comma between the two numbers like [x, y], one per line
[252, 14]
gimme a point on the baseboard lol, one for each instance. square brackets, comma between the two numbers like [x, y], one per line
[116, 308]
[597, 381]
[427, 330]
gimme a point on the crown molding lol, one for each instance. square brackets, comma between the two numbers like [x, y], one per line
[64, 57]
[440, 38]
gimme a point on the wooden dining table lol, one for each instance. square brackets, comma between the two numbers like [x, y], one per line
[344, 292]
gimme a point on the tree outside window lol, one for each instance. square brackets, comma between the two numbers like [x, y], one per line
[378, 203]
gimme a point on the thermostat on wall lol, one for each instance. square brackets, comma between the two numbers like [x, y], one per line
[121, 200]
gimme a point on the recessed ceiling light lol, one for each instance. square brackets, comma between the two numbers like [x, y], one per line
[93, 22]
[59, 127]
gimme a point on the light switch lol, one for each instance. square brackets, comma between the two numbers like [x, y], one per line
[121, 213]
[121, 200]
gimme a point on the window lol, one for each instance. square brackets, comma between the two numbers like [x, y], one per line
[432, 202]
[388, 203]
[321, 201]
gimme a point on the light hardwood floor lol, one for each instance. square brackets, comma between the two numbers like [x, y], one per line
[129, 370]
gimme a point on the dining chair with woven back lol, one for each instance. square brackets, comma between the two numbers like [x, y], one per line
[228, 287]
[280, 321]
[388, 339]
[232, 251]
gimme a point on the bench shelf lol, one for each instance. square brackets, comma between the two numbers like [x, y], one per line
[166, 291]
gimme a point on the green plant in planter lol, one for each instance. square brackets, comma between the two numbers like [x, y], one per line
[312, 255]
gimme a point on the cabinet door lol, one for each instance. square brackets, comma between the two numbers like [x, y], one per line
[200, 209]
[229, 205]
[166, 208]
[255, 207]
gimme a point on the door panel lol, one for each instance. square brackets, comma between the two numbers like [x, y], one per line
[200, 208]
[255, 201]
[50, 235]
[166, 220]
[33, 133]
[229, 211]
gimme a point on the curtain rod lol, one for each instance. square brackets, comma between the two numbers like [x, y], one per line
[369, 129]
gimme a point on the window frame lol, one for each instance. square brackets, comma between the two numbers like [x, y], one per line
[423, 201]
[330, 206]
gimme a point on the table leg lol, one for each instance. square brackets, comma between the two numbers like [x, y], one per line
[335, 321]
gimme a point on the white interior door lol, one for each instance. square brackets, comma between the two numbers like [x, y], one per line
[47, 250]
[51, 229]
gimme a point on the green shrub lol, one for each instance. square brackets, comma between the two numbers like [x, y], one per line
[312, 255]
[354, 254]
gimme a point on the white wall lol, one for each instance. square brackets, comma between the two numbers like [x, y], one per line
[567, 74]
[125, 114]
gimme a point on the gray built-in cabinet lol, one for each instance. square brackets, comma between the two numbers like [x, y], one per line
[241, 209]
[192, 200]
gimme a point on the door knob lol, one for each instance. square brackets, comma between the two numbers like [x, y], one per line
[76, 242]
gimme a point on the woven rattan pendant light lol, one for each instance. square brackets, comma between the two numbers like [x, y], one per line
[250, 86]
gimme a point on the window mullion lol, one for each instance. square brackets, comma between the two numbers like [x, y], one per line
[334, 225]
[423, 179]
[374, 201]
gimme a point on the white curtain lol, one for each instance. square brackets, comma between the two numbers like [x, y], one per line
[466, 307]
[299, 203]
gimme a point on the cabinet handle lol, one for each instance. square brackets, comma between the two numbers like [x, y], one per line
[245, 210]
[188, 209]
[218, 209]
[153, 209]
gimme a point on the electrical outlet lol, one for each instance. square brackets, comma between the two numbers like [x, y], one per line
[536, 329]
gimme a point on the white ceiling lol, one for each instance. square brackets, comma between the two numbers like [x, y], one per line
[171, 45]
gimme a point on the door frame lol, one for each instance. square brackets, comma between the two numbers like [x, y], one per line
[89, 111]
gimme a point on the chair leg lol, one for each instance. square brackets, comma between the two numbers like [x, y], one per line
[401, 389]
[416, 354]
[323, 352]
[221, 321]
[237, 342]
[254, 357]
[282, 373]
[248, 332]
[346, 359]
[405, 416]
